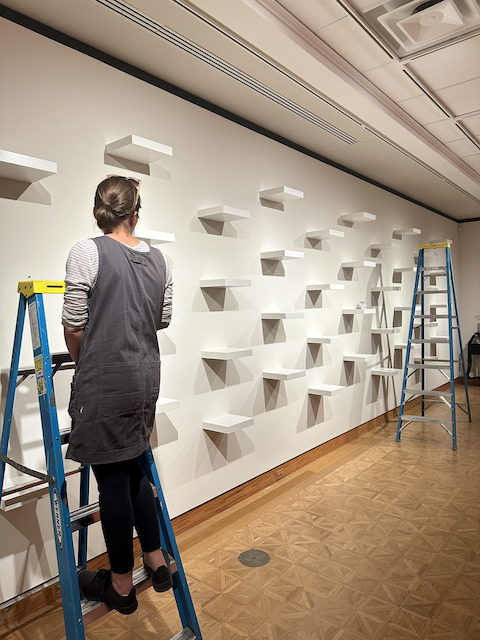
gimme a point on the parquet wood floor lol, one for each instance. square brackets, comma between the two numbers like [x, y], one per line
[378, 540]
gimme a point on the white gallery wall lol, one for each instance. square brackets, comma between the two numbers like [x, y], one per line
[62, 106]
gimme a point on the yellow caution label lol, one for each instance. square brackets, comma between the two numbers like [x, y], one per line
[436, 245]
[29, 287]
[40, 376]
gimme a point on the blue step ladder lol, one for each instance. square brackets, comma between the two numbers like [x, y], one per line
[77, 612]
[419, 322]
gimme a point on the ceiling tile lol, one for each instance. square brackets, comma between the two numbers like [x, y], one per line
[451, 65]
[423, 109]
[445, 130]
[463, 147]
[314, 14]
[461, 98]
[472, 124]
[473, 161]
[393, 81]
[354, 44]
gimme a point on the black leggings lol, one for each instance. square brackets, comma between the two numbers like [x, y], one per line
[126, 499]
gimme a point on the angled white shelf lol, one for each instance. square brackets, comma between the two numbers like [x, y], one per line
[384, 246]
[410, 231]
[403, 345]
[360, 357]
[378, 289]
[325, 389]
[154, 237]
[283, 254]
[227, 353]
[386, 330]
[223, 213]
[361, 216]
[440, 241]
[138, 149]
[19, 492]
[325, 339]
[224, 283]
[363, 312]
[283, 315]
[228, 423]
[283, 374]
[325, 287]
[281, 194]
[16, 166]
[385, 371]
[325, 234]
[166, 404]
[395, 309]
[359, 264]
[405, 270]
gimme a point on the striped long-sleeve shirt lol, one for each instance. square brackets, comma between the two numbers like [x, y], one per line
[82, 272]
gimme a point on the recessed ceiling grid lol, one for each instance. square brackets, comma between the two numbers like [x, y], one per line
[457, 119]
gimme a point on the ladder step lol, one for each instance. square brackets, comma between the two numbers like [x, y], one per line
[426, 392]
[427, 291]
[434, 316]
[85, 516]
[433, 340]
[407, 418]
[65, 435]
[93, 610]
[411, 365]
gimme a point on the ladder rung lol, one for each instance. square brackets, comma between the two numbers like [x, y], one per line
[434, 340]
[426, 392]
[423, 292]
[85, 516]
[65, 435]
[93, 610]
[407, 418]
[434, 316]
[426, 366]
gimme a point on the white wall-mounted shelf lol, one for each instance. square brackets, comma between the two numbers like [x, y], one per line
[384, 246]
[325, 339]
[20, 492]
[363, 312]
[281, 194]
[361, 216]
[16, 166]
[385, 371]
[138, 149]
[403, 345]
[284, 374]
[410, 231]
[223, 213]
[325, 234]
[228, 423]
[379, 289]
[283, 254]
[395, 309]
[360, 357]
[325, 390]
[224, 283]
[227, 353]
[325, 287]
[440, 241]
[166, 404]
[154, 237]
[405, 270]
[283, 315]
[386, 330]
[359, 264]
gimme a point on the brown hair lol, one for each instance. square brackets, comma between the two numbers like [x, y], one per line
[115, 200]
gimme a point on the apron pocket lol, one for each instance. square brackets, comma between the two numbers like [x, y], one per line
[120, 390]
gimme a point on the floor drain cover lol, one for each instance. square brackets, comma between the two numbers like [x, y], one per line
[254, 558]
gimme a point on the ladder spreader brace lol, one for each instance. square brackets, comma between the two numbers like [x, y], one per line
[77, 613]
[424, 274]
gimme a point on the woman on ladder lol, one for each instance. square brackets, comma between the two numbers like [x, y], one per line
[118, 295]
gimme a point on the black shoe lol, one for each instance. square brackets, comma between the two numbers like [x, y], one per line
[97, 585]
[162, 577]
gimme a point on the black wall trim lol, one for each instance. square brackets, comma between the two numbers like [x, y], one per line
[77, 45]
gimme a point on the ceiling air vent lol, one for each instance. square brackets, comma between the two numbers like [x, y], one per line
[418, 24]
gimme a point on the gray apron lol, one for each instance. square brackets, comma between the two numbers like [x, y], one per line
[117, 379]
